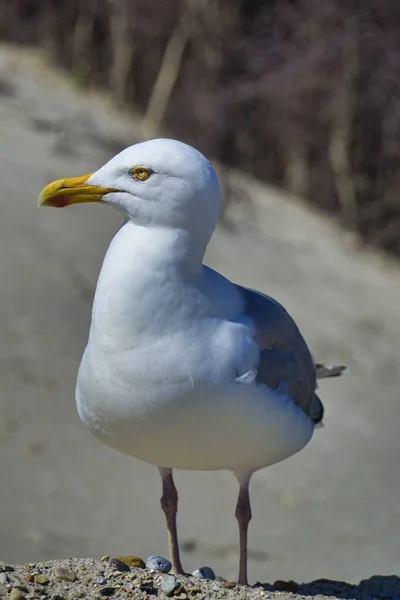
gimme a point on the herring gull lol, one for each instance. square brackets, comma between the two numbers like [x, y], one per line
[184, 369]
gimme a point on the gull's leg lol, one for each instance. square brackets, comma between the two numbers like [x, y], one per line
[243, 516]
[169, 504]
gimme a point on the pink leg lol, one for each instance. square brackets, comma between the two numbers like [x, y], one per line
[169, 504]
[243, 516]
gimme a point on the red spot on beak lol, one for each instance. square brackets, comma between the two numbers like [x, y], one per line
[59, 201]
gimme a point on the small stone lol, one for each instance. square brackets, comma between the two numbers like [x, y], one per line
[181, 596]
[158, 563]
[132, 561]
[168, 584]
[179, 590]
[216, 588]
[4, 578]
[6, 568]
[29, 577]
[99, 581]
[195, 589]
[16, 594]
[107, 591]
[148, 588]
[229, 584]
[62, 574]
[204, 573]
[42, 579]
[105, 558]
[74, 595]
[120, 565]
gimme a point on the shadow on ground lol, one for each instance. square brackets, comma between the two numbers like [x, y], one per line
[377, 587]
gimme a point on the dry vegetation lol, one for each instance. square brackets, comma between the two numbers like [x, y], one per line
[302, 93]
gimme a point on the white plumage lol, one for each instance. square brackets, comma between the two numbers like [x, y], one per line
[184, 369]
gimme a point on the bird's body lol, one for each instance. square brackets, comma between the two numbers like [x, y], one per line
[183, 368]
[187, 377]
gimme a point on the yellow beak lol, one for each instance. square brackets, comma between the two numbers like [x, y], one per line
[72, 190]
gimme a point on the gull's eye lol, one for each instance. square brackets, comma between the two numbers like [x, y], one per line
[141, 173]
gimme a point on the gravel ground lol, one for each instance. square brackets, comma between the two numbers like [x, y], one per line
[331, 511]
[75, 578]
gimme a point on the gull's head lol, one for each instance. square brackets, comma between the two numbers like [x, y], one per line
[160, 183]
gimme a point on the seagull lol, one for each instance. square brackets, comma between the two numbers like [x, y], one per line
[184, 369]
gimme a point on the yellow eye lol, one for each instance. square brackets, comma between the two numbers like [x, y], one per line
[141, 173]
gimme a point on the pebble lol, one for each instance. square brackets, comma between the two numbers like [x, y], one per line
[62, 574]
[132, 561]
[6, 568]
[148, 587]
[4, 578]
[229, 584]
[204, 573]
[158, 563]
[168, 584]
[195, 589]
[120, 565]
[107, 591]
[42, 579]
[16, 594]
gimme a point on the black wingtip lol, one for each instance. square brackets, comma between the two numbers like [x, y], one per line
[318, 412]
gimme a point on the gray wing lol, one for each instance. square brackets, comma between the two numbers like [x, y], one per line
[285, 358]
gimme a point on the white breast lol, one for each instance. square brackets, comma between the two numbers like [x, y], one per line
[157, 380]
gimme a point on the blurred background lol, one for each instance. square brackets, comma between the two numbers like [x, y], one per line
[298, 104]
